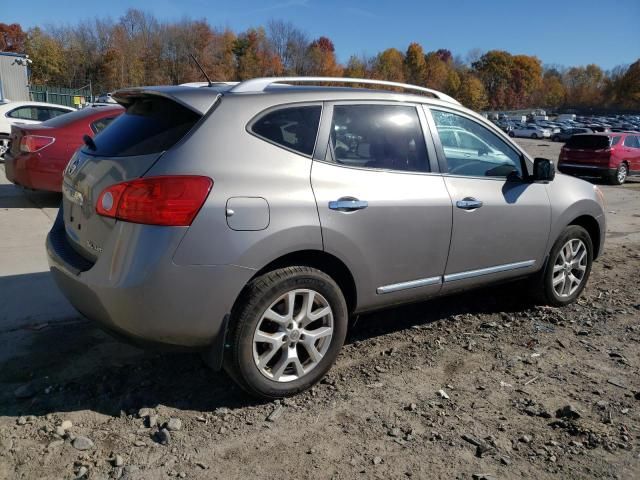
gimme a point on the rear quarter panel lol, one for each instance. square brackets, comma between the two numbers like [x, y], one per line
[242, 165]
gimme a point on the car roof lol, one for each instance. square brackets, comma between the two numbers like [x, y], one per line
[20, 103]
[202, 96]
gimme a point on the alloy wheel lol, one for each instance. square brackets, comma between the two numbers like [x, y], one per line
[569, 268]
[293, 335]
[622, 173]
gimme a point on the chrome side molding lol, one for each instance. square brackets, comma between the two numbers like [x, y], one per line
[489, 270]
[396, 287]
[423, 282]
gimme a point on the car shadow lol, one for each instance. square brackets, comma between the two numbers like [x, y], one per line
[12, 196]
[78, 367]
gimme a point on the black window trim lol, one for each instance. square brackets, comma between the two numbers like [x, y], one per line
[324, 137]
[525, 160]
[282, 106]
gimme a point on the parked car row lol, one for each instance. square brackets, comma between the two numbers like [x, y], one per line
[39, 153]
[25, 113]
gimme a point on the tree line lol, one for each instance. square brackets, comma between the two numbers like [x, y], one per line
[137, 49]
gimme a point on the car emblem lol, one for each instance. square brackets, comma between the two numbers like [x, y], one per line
[73, 166]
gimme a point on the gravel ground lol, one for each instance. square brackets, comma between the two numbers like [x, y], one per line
[478, 385]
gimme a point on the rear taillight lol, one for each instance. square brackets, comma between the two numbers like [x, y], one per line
[35, 143]
[168, 200]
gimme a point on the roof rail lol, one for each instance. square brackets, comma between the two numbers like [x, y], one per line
[256, 85]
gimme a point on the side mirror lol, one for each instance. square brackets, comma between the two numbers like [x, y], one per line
[543, 170]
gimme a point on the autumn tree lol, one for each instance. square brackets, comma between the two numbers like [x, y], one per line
[290, 44]
[255, 56]
[472, 93]
[389, 65]
[415, 65]
[494, 69]
[321, 59]
[12, 38]
[583, 85]
[49, 57]
[627, 87]
[437, 71]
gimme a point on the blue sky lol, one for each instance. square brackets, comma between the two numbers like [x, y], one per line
[566, 32]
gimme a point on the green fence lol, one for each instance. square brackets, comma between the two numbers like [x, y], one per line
[71, 97]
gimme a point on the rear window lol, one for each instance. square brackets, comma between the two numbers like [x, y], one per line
[149, 125]
[294, 128]
[589, 142]
[63, 121]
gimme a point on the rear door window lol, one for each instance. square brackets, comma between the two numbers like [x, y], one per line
[387, 137]
[615, 141]
[294, 128]
[149, 125]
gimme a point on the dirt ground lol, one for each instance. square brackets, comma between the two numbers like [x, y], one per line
[478, 385]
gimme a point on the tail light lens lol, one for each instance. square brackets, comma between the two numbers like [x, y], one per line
[35, 143]
[167, 200]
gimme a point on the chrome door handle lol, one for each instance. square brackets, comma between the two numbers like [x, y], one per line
[348, 204]
[469, 203]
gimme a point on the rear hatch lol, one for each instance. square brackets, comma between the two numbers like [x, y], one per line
[587, 149]
[154, 121]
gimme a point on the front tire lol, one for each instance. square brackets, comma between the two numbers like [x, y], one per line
[534, 136]
[567, 270]
[511, 134]
[286, 332]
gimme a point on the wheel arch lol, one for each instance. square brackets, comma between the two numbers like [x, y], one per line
[590, 224]
[323, 261]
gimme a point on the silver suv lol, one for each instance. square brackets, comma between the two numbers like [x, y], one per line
[251, 220]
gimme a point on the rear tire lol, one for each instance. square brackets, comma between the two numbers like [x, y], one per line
[511, 134]
[278, 347]
[534, 136]
[620, 175]
[555, 138]
[567, 270]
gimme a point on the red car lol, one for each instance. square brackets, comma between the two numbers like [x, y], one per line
[612, 156]
[39, 153]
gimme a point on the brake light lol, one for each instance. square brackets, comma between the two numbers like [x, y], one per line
[167, 200]
[35, 143]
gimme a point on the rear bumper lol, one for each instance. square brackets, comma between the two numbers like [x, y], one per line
[578, 169]
[136, 291]
[27, 171]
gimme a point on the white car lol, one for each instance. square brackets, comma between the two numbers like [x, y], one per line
[14, 113]
[530, 131]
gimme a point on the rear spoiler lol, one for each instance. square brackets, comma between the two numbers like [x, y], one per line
[198, 100]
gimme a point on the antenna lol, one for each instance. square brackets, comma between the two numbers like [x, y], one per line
[201, 69]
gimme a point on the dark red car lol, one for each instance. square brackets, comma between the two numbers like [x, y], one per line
[39, 153]
[611, 156]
